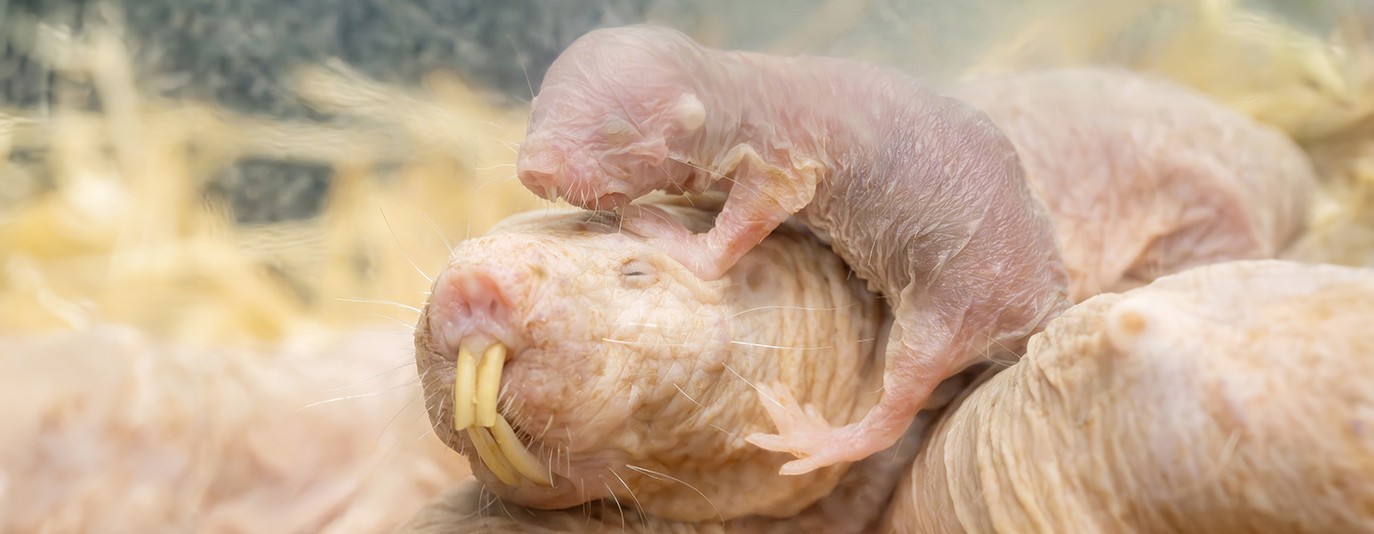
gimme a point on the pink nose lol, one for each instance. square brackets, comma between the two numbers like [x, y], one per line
[470, 302]
[538, 168]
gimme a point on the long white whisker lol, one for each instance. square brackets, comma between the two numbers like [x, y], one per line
[404, 254]
[383, 302]
[618, 507]
[795, 308]
[689, 397]
[765, 346]
[519, 60]
[643, 517]
[642, 343]
[351, 397]
[662, 476]
[447, 247]
[751, 384]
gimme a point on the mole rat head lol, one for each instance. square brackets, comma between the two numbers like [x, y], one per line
[613, 107]
[551, 341]
[572, 363]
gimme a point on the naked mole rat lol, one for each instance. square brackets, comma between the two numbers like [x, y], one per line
[623, 378]
[920, 194]
[572, 362]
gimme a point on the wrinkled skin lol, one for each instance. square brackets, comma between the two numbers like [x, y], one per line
[630, 377]
[920, 194]
[1236, 397]
[1145, 177]
[855, 505]
[1228, 398]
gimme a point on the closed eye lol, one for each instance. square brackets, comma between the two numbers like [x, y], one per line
[615, 130]
[637, 274]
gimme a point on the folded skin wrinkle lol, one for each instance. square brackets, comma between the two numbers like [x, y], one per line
[921, 194]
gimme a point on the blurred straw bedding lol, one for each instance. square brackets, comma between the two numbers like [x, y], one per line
[215, 220]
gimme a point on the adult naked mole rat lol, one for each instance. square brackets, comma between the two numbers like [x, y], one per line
[919, 193]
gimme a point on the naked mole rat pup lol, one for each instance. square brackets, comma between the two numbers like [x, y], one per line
[919, 193]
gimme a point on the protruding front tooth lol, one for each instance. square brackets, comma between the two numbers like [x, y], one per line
[489, 384]
[491, 456]
[520, 457]
[464, 390]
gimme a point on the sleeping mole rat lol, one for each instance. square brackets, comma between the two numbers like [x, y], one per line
[920, 194]
[572, 363]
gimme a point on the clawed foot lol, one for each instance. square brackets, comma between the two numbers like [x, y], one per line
[804, 432]
[668, 235]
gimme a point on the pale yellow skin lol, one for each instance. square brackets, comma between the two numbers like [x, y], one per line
[1237, 397]
[1145, 177]
[1230, 398]
[854, 506]
[640, 389]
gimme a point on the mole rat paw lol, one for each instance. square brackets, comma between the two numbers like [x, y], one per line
[676, 241]
[654, 223]
[803, 432]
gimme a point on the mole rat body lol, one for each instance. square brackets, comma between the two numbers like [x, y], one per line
[920, 194]
[1145, 177]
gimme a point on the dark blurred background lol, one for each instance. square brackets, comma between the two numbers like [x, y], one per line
[239, 53]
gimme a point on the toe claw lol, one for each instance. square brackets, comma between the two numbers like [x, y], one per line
[798, 467]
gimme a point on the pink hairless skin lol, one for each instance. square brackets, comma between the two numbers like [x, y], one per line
[920, 194]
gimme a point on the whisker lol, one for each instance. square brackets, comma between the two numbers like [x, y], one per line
[751, 384]
[545, 431]
[494, 166]
[351, 397]
[793, 308]
[380, 301]
[642, 343]
[404, 254]
[618, 507]
[718, 175]
[373, 377]
[643, 517]
[497, 180]
[408, 326]
[766, 346]
[662, 476]
[393, 419]
[520, 60]
[435, 226]
[689, 397]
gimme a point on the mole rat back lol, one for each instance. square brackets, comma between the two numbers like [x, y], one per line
[1145, 177]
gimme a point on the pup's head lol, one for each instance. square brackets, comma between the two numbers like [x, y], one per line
[613, 109]
[619, 375]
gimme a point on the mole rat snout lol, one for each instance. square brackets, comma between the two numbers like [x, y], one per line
[473, 309]
[577, 176]
[538, 168]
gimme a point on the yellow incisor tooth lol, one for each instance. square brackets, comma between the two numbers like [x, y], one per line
[520, 457]
[464, 389]
[489, 384]
[491, 457]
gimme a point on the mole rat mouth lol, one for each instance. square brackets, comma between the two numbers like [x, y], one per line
[475, 390]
